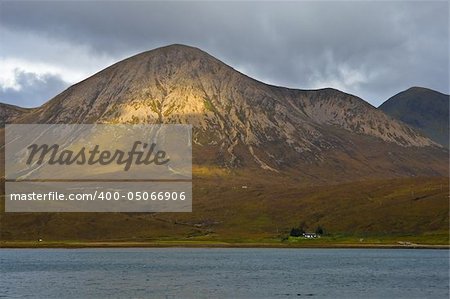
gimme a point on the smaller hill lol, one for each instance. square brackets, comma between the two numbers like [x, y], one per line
[423, 109]
[9, 112]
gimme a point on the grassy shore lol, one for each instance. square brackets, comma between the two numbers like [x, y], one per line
[436, 242]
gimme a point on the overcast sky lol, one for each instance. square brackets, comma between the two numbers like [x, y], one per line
[371, 49]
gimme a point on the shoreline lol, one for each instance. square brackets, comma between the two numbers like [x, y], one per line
[181, 244]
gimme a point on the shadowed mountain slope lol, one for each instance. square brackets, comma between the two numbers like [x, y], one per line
[423, 109]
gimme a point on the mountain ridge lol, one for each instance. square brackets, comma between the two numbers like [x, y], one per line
[237, 120]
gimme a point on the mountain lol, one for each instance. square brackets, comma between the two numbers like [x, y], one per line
[9, 112]
[322, 135]
[423, 109]
[306, 157]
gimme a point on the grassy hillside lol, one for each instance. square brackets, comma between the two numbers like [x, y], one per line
[264, 211]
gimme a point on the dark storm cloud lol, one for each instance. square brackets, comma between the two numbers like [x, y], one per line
[371, 49]
[32, 88]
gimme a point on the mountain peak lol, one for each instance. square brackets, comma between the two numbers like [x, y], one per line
[172, 49]
[236, 120]
[419, 89]
[178, 47]
[174, 53]
[423, 109]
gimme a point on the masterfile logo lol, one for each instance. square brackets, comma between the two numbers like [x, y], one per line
[85, 156]
[98, 168]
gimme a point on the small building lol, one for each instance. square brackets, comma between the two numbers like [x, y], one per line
[310, 235]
